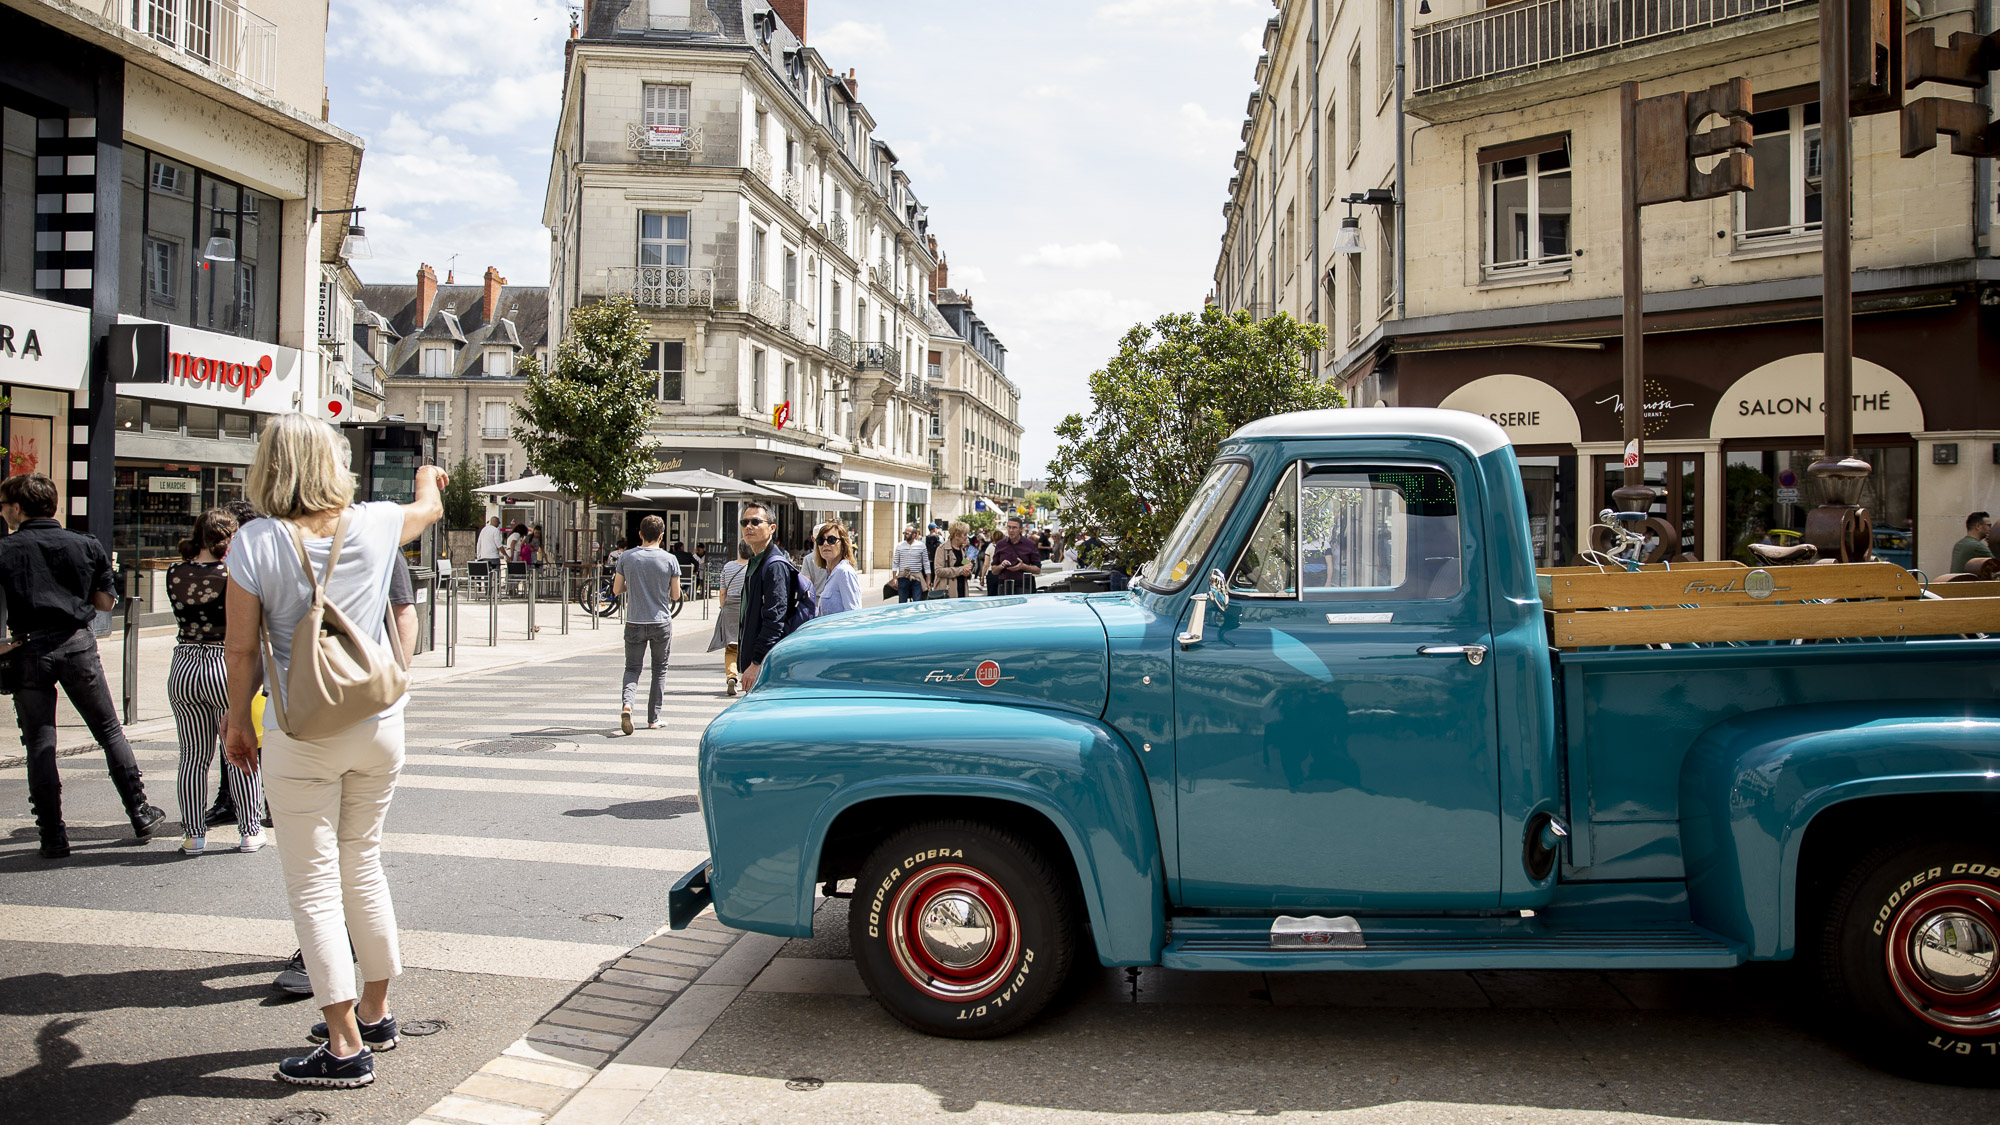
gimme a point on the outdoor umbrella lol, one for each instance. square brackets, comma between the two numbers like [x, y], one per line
[540, 487]
[704, 483]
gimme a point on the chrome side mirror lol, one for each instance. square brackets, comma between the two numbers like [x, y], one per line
[1218, 593]
[1218, 589]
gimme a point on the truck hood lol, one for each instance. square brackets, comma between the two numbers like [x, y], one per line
[1043, 651]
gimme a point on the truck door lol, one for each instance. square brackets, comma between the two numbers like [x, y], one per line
[1336, 726]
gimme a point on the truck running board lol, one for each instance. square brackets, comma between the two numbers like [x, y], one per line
[1253, 945]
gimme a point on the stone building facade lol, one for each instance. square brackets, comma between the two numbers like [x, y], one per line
[1488, 273]
[976, 440]
[710, 167]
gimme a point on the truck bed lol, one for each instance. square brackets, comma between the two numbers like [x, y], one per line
[1627, 717]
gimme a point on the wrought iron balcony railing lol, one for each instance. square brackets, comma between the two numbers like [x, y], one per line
[1536, 33]
[836, 229]
[793, 320]
[657, 142]
[664, 287]
[760, 161]
[840, 346]
[879, 357]
[221, 33]
[792, 190]
[639, 15]
[764, 303]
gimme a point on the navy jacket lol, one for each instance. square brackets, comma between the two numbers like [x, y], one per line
[767, 601]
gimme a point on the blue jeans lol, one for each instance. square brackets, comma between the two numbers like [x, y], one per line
[909, 589]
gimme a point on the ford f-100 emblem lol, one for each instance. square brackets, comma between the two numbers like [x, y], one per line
[985, 675]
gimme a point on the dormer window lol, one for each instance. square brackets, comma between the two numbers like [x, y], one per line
[499, 362]
[436, 359]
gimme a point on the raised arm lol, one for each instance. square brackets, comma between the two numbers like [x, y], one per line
[428, 507]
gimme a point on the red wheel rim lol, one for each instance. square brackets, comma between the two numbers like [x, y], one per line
[1941, 956]
[953, 932]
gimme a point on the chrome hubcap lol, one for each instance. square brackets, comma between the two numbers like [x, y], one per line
[956, 930]
[1954, 952]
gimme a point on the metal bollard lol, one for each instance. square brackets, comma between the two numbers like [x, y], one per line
[129, 657]
[532, 583]
[493, 580]
[569, 584]
[450, 621]
[594, 614]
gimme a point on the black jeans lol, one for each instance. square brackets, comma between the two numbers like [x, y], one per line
[72, 664]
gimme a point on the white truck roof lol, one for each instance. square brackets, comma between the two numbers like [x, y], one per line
[1475, 432]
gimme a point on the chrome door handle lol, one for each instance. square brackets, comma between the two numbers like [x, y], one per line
[1475, 655]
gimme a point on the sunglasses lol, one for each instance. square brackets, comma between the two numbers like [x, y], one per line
[829, 540]
[752, 522]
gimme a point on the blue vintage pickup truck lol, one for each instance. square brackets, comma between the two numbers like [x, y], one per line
[1332, 729]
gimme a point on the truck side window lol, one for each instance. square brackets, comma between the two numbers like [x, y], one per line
[1389, 532]
[1267, 568]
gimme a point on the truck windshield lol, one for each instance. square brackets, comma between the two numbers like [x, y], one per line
[1192, 537]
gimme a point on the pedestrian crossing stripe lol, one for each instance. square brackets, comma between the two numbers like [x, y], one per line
[274, 938]
[537, 788]
[674, 861]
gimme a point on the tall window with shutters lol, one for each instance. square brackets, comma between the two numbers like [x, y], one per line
[1526, 193]
[666, 114]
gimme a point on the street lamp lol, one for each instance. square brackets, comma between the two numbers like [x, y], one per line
[221, 247]
[1347, 240]
[354, 247]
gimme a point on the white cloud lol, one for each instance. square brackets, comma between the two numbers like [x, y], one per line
[511, 105]
[1097, 309]
[1166, 11]
[962, 276]
[449, 38]
[1080, 256]
[849, 37]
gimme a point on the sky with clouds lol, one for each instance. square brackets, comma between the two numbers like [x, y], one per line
[1074, 155]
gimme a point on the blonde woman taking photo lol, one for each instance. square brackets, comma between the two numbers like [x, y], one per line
[328, 795]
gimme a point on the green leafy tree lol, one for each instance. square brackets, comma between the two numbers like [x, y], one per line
[983, 522]
[463, 507]
[1164, 403]
[584, 421]
[1042, 498]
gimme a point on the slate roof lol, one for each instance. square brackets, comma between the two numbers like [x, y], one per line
[520, 324]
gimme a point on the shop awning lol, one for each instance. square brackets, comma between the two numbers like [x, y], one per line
[812, 498]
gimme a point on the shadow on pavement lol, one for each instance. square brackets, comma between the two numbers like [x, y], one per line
[40, 994]
[115, 1090]
[666, 808]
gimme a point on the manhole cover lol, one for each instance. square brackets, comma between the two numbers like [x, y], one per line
[803, 1084]
[604, 917]
[301, 1117]
[497, 746]
[422, 1027]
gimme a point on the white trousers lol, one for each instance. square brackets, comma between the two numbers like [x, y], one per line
[328, 799]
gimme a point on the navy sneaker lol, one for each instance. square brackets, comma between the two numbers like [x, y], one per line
[323, 1068]
[294, 978]
[380, 1035]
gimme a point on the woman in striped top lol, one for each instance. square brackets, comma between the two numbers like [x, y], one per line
[198, 683]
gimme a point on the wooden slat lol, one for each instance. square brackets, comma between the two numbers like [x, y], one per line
[1706, 588]
[1913, 618]
[1726, 564]
[1965, 589]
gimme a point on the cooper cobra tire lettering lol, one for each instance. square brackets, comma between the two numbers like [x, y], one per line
[1022, 932]
[1869, 955]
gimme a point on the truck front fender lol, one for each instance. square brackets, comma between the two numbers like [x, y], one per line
[1751, 785]
[777, 773]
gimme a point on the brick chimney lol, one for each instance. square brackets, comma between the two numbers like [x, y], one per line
[427, 291]
[940, 277]
[853, 84]
[793, 12]
[489, 303]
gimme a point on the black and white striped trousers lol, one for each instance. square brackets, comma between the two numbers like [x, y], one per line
[198, 690]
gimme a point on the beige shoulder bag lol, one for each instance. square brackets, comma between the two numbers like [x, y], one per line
[338, 676]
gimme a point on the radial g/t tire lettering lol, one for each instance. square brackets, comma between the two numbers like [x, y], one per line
[962, 930]
[1909, 955]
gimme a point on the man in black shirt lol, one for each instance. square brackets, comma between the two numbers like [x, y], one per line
[52, 583]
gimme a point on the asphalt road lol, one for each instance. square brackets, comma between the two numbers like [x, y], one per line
[529, 843]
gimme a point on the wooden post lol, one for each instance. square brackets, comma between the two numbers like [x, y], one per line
[1838, 526]
[1636, 495]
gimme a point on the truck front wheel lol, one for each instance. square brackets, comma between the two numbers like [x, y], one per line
[1910, 952]
[961, 929]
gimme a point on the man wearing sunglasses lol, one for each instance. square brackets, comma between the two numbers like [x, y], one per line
[771, 592]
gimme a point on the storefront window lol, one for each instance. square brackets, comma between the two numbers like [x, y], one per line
[1676, 479]
[201, 421]
[197, 249]
[1549, 483]
[1767, 493]
[163, 417]
[17, 201]
[236, 424]
[129, 412]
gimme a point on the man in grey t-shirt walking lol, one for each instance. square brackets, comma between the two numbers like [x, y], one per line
[649, 579]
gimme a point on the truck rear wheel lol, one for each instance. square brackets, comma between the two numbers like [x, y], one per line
[1910, 952]
[961, 929]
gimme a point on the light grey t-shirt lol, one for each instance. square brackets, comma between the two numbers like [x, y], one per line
[264, 561]
[650, 577]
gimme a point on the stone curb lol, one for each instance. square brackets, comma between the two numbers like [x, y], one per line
[593, 1057]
